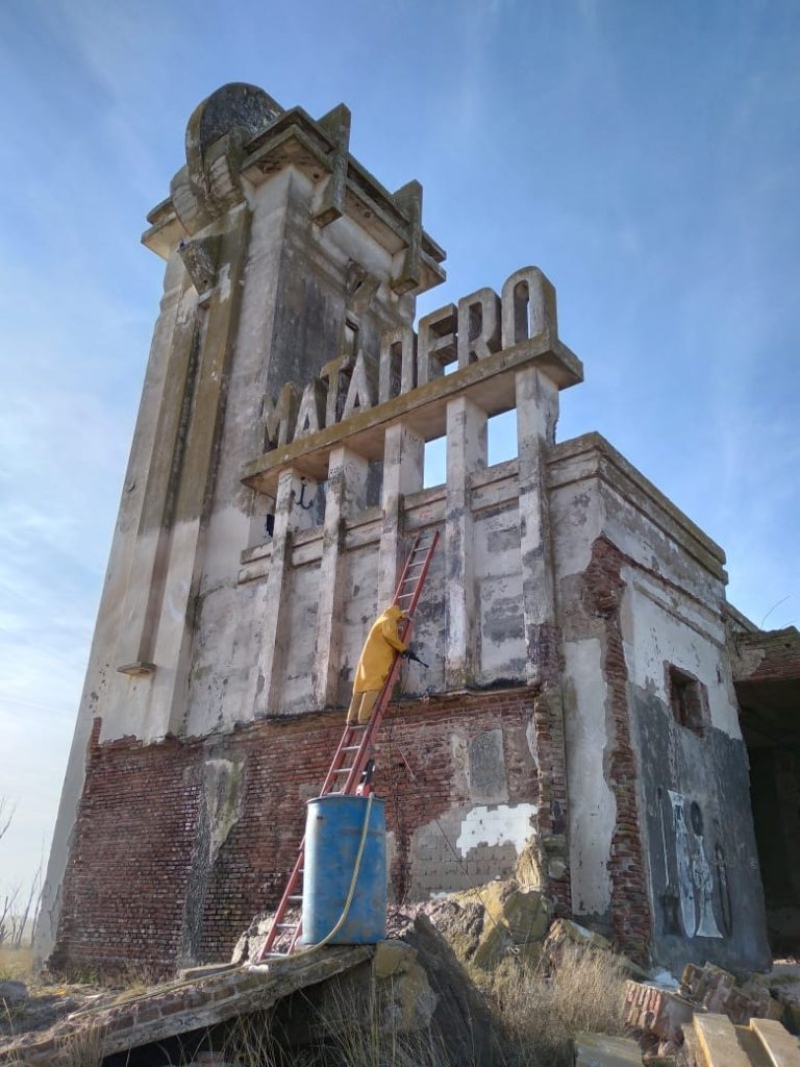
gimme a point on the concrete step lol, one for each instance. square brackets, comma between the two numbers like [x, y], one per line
[782, 1048]
[718, 1043]
[751, 1043]
[599, 1050]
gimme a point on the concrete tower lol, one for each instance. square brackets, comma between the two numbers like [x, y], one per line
[274, 485]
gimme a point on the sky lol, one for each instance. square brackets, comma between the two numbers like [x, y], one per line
[644, 154]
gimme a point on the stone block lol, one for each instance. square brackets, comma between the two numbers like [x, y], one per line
[485, 923]
[392, 957]
[565, 932]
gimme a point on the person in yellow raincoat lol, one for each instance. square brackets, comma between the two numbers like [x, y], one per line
[375, 663]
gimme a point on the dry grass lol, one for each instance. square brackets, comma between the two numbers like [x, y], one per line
[362, 1030]
[253, 1042]
[536, 1016]
[84, 1048]
[347, 1030]
[16, 963]
[539, 1015]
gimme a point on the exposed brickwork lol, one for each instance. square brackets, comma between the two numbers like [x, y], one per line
[548, 734]
[142, 829]
[658, 1011]
[767, 656]
[602, 595]
[126, 840]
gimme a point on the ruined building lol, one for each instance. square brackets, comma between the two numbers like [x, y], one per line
[579, 723]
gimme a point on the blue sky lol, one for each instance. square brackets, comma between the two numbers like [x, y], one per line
[644, 154]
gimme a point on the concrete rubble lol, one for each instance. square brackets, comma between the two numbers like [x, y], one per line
[709, 1012]
[494, 920]
[417, 987]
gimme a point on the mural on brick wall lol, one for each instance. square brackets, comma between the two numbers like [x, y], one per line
[693, 883]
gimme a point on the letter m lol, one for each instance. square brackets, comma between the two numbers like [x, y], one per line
[279, 419]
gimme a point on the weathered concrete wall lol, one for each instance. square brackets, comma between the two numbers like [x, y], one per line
[662, 846]
[269, 251]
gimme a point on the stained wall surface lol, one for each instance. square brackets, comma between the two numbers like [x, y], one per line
[661, 828]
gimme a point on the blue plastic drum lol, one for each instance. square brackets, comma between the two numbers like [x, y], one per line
[334, 825]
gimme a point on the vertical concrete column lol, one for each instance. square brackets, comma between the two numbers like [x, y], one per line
[466, 452]
[537, 413]
[403, 470]
[346, 495]
[274, 638]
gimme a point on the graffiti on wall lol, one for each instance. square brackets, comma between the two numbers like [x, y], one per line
[692, 882]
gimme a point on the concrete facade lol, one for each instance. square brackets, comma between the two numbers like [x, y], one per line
[578, 723]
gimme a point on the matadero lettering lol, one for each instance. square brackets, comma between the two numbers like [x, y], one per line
[479, 326]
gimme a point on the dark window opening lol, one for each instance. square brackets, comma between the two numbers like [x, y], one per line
[688, 699]
[351, 339]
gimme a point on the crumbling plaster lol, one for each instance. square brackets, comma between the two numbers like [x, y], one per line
[592, 806]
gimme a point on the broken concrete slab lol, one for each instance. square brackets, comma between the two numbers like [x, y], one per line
[183, 1006]
[490, 921]
[600, 1050]
[461, 1017]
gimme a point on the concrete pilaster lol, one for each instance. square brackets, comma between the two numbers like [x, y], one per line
[272, 654]
[466, 452]
[537, 413]
[170, 552]
[346, 495]
[403, 470]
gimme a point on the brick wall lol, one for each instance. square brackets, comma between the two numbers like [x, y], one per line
[548, 722]
[140, 887]
[603, 587]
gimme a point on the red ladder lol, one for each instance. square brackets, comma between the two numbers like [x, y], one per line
[349, 765]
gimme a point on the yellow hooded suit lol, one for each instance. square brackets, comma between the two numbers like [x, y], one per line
[375, 663]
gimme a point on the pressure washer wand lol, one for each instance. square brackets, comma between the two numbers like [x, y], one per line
[411, 654]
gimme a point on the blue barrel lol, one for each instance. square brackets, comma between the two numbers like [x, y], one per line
[334, 825]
